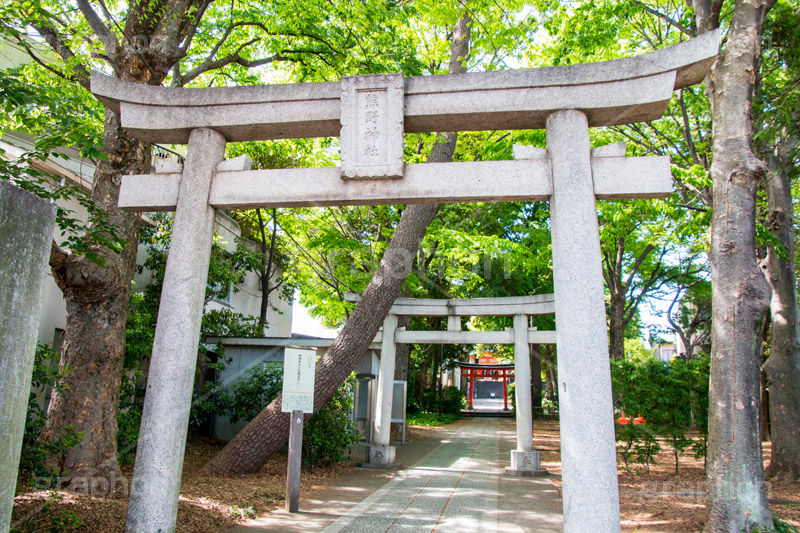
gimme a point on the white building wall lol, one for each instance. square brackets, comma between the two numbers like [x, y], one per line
[80, 171]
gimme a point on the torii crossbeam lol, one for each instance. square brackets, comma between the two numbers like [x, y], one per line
[371, 113]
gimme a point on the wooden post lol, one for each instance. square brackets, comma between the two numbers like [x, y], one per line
[293, 468]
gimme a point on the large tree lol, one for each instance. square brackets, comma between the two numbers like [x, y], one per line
[740, 295]
[778, 118]
[153, 42]
[737, 498]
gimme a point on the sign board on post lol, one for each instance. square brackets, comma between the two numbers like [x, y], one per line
[298, 398]
[298, 380]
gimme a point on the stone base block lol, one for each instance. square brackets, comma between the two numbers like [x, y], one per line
[380, 456]
[526, 464]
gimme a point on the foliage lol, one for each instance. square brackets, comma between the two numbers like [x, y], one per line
[225, 269]
[783, 527]
[672, 397]
[453, 401]
[49, 517]
[131, 403]
[326, 435]
[57, 115]
[431, 419]
[638, 444]
[46, 375]
[248, 396]
[227, 323]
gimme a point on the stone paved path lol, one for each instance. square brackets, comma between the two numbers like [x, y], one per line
[454, 484]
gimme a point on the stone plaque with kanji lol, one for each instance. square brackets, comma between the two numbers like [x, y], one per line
[372, 126]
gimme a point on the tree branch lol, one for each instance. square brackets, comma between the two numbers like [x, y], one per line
[669, 20]
[102, 31]
[52, 38]
[183, 49]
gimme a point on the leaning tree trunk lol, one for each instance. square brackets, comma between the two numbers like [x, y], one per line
[97, 307]
[740, 295]
[782, 367]
[269, 430]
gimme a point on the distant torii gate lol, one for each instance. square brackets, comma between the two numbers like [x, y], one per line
[524, 459]
[473, 371]
[371, 113]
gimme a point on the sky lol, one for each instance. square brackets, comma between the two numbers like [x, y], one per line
[304, 323]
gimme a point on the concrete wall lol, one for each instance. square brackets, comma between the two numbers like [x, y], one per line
[239, 361]
[241, 355]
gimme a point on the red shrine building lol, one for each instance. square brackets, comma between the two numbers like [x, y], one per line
[485, 378]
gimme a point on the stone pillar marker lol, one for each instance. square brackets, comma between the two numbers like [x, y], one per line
[381, 454]
[26, 230]
[588, 453]
[159, 458]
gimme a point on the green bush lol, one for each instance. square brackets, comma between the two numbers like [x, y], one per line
[431, 419]
[131, 403]
[330, 431]
[326, 435]
[672, 397]
[453, 401]
[33, 459]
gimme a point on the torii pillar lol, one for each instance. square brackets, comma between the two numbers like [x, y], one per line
[588, 453]
[155, 486]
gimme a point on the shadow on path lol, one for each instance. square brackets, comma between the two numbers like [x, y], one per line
[452, 481]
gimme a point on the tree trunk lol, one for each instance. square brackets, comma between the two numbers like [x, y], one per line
[536, 377]
[269, 430]
[737, 497]
[616, 326]
[402, 354]
[782, 367]
[252, 447]
[97, 308]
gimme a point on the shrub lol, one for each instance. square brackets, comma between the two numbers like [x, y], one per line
[326, 435]
[33, 459]
[330, 431]
[670, 396]
[131, 403]
[431, 419]
[453, 401]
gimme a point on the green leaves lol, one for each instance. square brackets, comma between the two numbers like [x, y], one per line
[671, 397]
[58, 115]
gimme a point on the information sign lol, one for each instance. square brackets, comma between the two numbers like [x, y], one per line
[298, 380]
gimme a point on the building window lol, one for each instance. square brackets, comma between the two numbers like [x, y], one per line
[221, 295]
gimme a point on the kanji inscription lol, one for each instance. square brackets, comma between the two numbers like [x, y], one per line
[372, 126]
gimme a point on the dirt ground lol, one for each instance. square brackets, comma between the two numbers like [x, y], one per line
[655, 501]
[662, 500]
[208, 503]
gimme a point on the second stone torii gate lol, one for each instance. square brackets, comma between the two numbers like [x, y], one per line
[524, 460]
[371, 113]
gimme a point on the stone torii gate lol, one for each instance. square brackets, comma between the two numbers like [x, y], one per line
[371, 113]
[524, 460]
